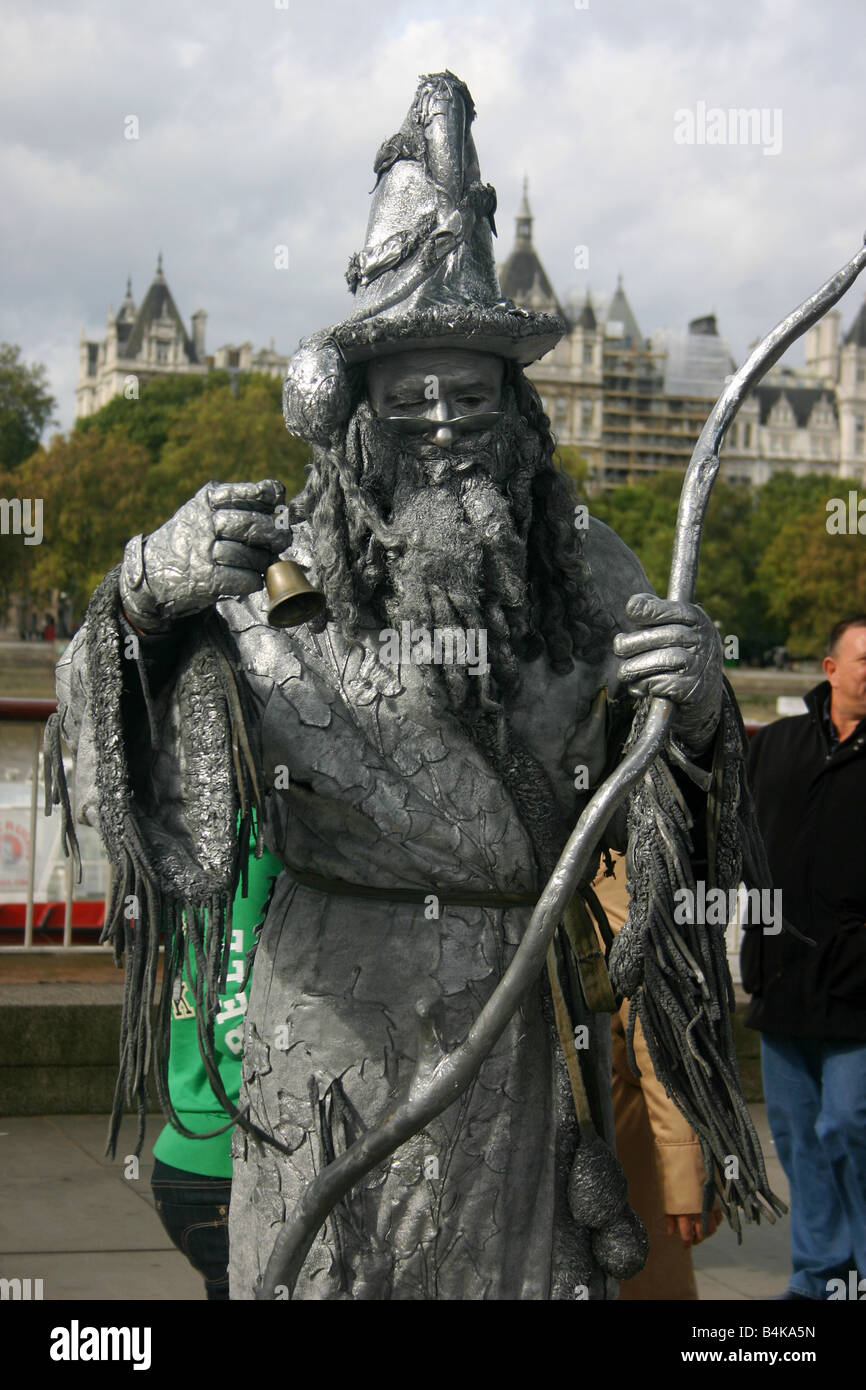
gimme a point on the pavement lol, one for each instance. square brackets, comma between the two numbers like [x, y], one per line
[69, 1216]
[85, 1225]
[760, 1266]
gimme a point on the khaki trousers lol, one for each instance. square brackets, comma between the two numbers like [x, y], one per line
[658, 1150]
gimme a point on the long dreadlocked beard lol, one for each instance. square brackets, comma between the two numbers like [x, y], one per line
[479, 538]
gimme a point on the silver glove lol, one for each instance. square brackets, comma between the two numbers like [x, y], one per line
[217, 545]
[676, 653]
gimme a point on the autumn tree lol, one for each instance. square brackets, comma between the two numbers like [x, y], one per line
[92, 490]
[127, 468]
[148, 418]
[227, 435]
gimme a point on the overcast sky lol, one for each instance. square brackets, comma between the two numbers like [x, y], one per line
[258, 125]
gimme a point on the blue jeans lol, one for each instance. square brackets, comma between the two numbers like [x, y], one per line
[816, 1106]
[194, 1210]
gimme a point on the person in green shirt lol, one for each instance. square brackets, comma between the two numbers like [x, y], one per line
[191, 1180]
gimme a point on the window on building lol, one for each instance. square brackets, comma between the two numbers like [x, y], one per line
[859, 434]
[587, 354]
[162, 352]
[586, 414]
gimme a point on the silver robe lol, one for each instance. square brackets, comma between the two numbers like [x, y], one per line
[368, 784]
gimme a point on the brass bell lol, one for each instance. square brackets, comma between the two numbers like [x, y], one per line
[291, 600]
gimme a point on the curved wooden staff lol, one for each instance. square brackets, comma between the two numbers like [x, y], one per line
[450, 1077]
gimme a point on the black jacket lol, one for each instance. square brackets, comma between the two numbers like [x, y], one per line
[811, 805]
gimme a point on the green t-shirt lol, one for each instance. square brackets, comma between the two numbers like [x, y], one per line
[190, 1090]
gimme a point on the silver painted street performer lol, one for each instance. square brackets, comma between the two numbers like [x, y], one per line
[418, 805]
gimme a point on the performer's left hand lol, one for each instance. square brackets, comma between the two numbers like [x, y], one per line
[676, 653]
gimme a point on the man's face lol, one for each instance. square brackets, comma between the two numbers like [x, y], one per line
[438, 439]
[437, 396]
[846, 672]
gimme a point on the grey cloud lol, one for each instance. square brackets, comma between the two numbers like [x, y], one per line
[259, 126]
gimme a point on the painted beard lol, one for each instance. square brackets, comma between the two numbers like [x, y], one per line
[457, 525]
[453, 526]
[482, 534]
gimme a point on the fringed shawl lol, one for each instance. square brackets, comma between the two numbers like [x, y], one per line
[677, 976]
[178, 888]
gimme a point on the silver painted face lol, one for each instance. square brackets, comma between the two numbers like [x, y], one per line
[441, 393]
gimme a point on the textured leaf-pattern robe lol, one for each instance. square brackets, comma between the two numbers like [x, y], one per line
[369, 785]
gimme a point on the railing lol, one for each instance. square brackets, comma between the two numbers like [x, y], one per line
[43, 916]
[92, 911]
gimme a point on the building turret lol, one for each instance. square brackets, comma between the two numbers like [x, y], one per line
[199, 322]
[621, 322]
[522, 276]
[822, 347]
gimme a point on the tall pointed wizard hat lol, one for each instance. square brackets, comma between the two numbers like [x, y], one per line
[426, 277]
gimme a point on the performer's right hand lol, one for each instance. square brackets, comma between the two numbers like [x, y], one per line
[217, 545]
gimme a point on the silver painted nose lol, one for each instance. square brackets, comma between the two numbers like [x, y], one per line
[445, 435]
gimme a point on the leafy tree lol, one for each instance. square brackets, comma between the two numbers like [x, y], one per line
[128, 468]
[644, 514]
[813, 578]
[149, 418]
[745, 577]
[227, 437]
[26, 406]
[92, 491]
[783, 497]
[782, 501]
[13, 552]
[572, 462]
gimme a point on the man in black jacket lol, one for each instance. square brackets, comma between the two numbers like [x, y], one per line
[809, 780]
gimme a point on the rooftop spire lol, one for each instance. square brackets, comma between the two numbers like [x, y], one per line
[620, 312]
[587, 319]
[127, 308]
[522, 277]
[523, 220]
